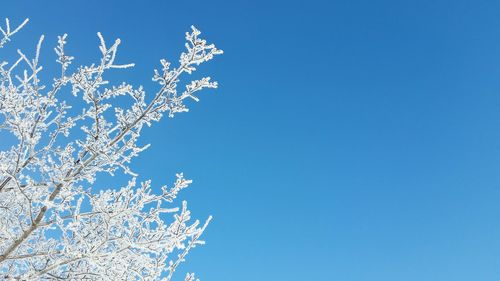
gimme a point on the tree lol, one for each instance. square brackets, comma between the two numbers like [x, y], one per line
[53, 224]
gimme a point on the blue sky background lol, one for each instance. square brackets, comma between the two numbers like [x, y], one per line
[349, 140]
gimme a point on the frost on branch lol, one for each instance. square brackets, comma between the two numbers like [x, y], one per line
[53, 224]
[7, 32]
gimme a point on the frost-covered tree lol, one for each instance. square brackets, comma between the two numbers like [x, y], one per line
[53, 223]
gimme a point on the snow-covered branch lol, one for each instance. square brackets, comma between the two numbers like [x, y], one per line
[7, 32]
[53, 225]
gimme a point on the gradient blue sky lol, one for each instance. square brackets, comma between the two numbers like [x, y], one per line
[349, 140]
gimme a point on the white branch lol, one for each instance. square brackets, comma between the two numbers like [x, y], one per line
[47, 177]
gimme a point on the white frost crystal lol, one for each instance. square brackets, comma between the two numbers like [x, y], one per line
[53, 225]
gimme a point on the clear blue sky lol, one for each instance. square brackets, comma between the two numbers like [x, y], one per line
[349, 140]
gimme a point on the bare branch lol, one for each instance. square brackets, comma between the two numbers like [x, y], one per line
[53, 225]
